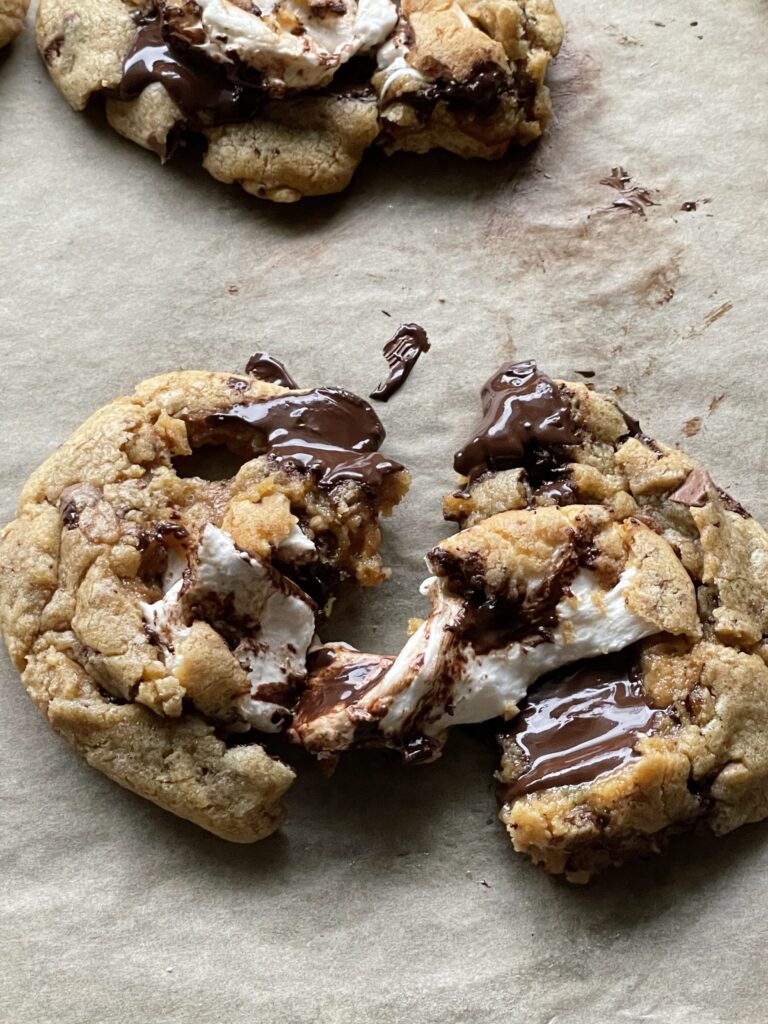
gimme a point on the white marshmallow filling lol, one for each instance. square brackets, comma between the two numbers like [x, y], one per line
[295, 44]
[439, 680]
[268, 621]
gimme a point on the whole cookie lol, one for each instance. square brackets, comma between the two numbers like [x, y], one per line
[12, 15]
[289, 95]
[160, 586]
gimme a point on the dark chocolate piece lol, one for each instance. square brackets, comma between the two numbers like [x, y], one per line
[581, 722]
[525, 423]
[699, 487]
[401, 352]
[327, 431]
[480, 93]
[265, 367]
[202, 95]
[333, 685]
[694, 490]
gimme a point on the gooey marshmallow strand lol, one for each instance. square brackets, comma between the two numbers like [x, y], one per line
[438, 681]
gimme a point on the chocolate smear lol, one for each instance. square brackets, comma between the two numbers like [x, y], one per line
[263, 366]
[480, 92]
[329, 432]
[494, 620]
[581, 722]
[525, 423]
[401, 352]
[336, 684]
[203, 95]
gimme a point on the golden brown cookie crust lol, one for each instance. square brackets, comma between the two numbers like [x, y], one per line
[12, 15]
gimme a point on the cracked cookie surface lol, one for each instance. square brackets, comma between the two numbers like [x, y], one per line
[288, 97]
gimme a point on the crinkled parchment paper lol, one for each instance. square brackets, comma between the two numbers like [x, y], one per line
[390, 895]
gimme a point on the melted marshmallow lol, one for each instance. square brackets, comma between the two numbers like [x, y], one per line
[293, 43]
[273, 620]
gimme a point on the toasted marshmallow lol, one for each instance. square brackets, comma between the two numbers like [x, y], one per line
[294, 44]
[267, 621]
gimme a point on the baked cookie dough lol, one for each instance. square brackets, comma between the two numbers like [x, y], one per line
[607, 604]
[288, 96]
[12, 15]
[160, 585]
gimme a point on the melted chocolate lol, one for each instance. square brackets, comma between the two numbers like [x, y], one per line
[401, 352]
[581, 722]
[525, 424]
[480, 93]
[265, 367]
[493, 620]
[327, 431]
[337, 686]
[202, 95]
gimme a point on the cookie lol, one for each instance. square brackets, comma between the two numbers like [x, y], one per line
[606, 603]
[161, 583]
[288, 97]
[12, 15]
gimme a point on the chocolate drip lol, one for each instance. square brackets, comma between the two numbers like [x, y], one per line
[401, 352]
[203, 95]
[581, 722]
[265, 367]
[327, 431]
[480, 93]
[525, 424]
[333, 685]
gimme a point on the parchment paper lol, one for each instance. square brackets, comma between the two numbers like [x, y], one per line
[390, 895]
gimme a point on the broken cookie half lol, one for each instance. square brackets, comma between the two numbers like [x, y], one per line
[161, 583]
[606, 604]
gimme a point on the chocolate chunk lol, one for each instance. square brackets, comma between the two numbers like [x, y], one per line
[525, 423]
[698, 488]
[581, 722]
[401, 352]
[695, 489]
[329, 432]
[204, 94]
[265, 367]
